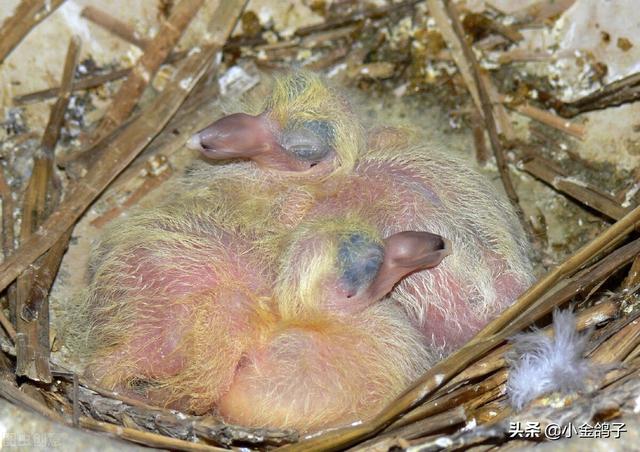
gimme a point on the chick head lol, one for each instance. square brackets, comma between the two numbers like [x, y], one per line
[302, 126]
[343, 264]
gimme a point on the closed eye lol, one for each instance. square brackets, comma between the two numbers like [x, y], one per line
[309, 141]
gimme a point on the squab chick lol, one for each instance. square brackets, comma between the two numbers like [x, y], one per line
[185, 313]
[170, 304]
[403, 183]
[338, 352]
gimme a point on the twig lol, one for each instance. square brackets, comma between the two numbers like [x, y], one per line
[448, 397]
[14, 395]
[462, 440]
[455, 44]
[125, 146]
[356, 16]
[501, 117]
[617, 347]
[146, 438]
[155, 53]
[78, 85]
[477, 126]
[88, 82]
[8, 237]
[103, 407]
[17, 397]
[27, 15]
[76, 406]
[450, 400]
[194, 115]
[454, 416]
[549, 119]
[590, 196]
[485, 100]
[633, 278]
[113, 25]
[616, 93]
[586, 279]
[541, 11]
[526, 55]
[41, 197]
[52, 131]
[495, 360]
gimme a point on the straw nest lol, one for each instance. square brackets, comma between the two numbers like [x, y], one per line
[584, 237]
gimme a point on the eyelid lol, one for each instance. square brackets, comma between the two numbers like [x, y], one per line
[359, 260]
[306, 142]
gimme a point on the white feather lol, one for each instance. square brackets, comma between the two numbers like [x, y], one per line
[541, 364]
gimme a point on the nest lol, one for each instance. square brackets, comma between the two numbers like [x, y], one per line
[431, 47]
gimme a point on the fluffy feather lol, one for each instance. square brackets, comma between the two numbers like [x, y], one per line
[542, 364]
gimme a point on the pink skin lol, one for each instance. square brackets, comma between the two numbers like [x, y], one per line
[171, 295]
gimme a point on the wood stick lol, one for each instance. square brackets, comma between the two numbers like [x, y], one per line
[586, 279]
[27, 15]
[527, 55]
[152, 180]
[15, 396]
[495, 360]
[585, 193]
[155, 53]
[541, 11]
[613, 94]
[633, 278]
[125, 146]
[8, 237]
[355, 16]
[485, 100]
[449, 396]
[508, 31]
[88, 82]
[447, 419]
[477, 126]
[501, 117]
[617, 347]
[113, 25]
[78, 85]
[146, 438]
[549, 119]
[450, 400]
[41, 197]
[8, 233]
[455, 45]
[194, 115]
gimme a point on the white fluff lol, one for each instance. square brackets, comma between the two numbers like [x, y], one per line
[542, 364]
